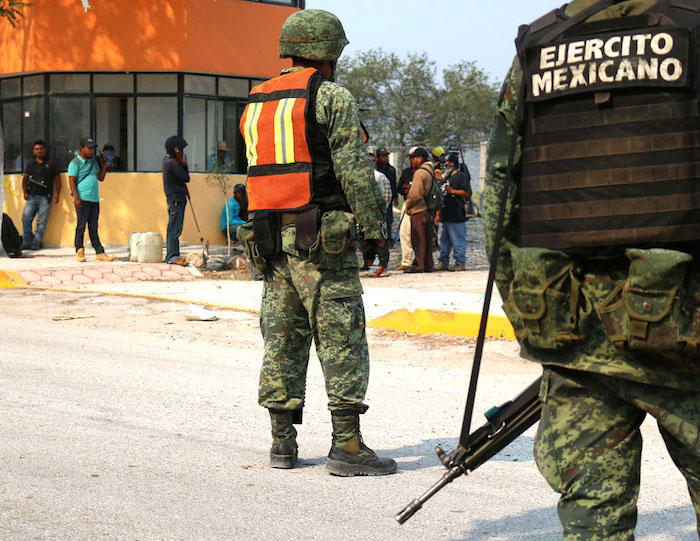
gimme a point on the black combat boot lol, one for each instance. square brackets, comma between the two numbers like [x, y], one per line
[349, 455]
[283, 453]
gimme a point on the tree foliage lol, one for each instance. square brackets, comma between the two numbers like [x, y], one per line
[404, 102]
[12, 10]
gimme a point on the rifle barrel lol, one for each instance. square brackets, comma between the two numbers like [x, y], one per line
[413, 507]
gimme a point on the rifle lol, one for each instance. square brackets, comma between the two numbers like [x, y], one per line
[504, 424]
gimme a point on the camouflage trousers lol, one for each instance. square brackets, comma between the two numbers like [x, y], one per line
[588, 447]
[302, 302]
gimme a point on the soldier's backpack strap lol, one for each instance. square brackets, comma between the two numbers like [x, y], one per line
[556, 30]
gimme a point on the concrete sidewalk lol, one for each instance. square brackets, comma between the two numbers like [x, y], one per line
[406, 308]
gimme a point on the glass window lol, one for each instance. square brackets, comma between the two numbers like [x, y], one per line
[156, 121]
[12, 122]
[155, 83]
[114, 118]
[256, 82]
[200, 84]
[32, 124]
[9, 88]
[33, 85]
[70, 82]
[233, 88]
[69, 122]
[200, 134]
[113, 82]
[229, 117]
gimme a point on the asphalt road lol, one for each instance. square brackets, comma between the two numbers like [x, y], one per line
[137, 424]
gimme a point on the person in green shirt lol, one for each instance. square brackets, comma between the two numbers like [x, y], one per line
[85, 172]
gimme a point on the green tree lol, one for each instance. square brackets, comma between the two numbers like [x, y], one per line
[220, 177]
[12, 10]
[403, 102]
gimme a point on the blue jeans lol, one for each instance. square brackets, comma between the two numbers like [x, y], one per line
[176, 217]
[88, 215]
[453, 237]
[40, 206]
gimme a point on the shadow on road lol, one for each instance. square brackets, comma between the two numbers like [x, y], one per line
[541, 524]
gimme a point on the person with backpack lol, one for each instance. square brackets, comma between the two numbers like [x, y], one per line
[84, 174]
[417, 209]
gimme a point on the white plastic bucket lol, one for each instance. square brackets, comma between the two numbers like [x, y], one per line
[150, 248]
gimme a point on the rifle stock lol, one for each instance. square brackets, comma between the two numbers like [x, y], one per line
[504, 424]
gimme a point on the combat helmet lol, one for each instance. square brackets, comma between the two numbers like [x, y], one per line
[314, 34]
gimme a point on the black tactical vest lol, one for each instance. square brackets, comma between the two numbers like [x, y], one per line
[326, 190]
[611, 146]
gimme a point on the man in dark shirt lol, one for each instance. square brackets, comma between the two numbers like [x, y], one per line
[383, 166]
[453, 219]
[41, 186]
[176, 175]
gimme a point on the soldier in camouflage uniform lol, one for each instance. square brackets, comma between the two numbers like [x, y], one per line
[616, 332]
[315, 293]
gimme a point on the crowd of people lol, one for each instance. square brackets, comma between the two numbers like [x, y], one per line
[419, 226]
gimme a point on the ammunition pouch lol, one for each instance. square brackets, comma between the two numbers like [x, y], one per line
[246, 236]
[652, 309]
[546, 304]
[333, 241]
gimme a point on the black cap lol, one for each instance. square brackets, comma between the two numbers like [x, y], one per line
[239, 188]
[87, 142]
[173, 142]
[382, 150]
[420, 152]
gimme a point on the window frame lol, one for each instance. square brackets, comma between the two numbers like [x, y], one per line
[92, 96]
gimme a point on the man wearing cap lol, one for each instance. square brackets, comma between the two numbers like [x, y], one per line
[176, 175]
[383, 166]
[438, 156]
[308, 199]
[84, 174]
[417, 209]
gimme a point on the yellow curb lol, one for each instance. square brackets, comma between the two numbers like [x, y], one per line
[464, 324]
[11, 280]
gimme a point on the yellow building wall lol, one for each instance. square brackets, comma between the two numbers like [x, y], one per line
[130, 203]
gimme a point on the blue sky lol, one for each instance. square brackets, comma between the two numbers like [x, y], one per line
[448, 30]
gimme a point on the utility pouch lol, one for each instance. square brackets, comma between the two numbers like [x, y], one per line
[307, 227]
[267, 229]
[246, 237]
[546, 304]
[333, 241]
[644, 311]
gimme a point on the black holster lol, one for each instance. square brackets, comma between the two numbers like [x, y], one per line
[267, 233]
[307, 227]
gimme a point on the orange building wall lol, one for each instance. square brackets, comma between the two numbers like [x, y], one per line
[131, 203]
[234, 37]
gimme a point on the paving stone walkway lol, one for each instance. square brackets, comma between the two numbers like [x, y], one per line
[104, 273]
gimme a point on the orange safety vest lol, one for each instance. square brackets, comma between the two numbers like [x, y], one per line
[276, 127]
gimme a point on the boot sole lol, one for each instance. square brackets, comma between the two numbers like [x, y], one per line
[343, 469]
[283, 462]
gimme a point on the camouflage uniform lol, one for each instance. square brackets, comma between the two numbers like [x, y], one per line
[595, 395]
[306, 297]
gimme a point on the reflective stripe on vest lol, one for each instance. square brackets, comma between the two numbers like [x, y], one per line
[274, 126]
